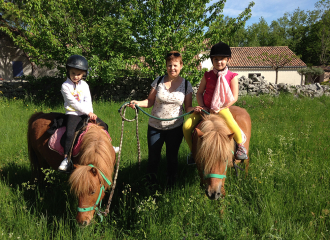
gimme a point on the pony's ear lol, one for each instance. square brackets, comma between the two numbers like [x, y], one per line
[199, 133]
[231, 136]
[94, 171]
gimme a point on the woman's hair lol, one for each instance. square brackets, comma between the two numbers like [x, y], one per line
[174, 55]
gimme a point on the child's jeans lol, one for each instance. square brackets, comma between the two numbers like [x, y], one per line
[72, 122]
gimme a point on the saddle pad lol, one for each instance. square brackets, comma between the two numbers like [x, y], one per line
[55, 145]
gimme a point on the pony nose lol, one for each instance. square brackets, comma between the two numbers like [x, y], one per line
[84, 223]
[213, 195]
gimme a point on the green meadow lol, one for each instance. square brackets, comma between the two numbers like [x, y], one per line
[286, 194]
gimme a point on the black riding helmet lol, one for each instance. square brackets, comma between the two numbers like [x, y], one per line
[220, 49]
[76, 61]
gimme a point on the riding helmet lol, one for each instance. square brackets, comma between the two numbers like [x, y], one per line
[220, 49]
[76, 61]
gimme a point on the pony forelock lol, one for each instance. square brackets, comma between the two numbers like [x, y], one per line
[214, 145]
[96, 149]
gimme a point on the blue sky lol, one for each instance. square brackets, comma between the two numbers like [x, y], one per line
[268, 9]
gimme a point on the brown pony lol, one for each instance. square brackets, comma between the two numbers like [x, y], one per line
[213, 148]
[94, 163]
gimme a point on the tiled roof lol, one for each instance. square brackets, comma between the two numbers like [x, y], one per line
[240, 56]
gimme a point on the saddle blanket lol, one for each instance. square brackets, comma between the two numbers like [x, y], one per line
[55, 145]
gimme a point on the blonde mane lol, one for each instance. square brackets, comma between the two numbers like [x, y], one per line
[96, 149]
[215, 144]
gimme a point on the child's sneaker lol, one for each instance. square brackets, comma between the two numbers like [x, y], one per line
[65, 165]
[190, 159]
[241, 153]
[116, 149]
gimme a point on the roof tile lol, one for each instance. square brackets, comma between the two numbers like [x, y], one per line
[240, 56]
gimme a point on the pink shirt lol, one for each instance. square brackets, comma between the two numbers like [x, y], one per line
[211, 81]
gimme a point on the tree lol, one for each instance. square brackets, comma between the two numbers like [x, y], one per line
[311, 73]
[115, 35]
[190, 27]
[276, 61]
[49, 31]
[323, 7]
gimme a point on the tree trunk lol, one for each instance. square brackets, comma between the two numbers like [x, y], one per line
[276, 70]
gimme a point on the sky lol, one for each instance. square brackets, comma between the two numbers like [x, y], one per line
[268, 9]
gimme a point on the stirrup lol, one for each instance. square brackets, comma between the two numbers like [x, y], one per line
[190, 159]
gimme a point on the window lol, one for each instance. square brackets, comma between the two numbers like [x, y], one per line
[17, 69]
[251, 75]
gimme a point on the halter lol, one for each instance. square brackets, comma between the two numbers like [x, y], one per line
[98, 202]
[213, 175]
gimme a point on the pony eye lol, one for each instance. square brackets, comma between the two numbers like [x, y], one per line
[92, 192]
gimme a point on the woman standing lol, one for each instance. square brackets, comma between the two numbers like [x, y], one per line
[167, 96]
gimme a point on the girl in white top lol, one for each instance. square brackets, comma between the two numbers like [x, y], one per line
[167, 97]
[77, 104]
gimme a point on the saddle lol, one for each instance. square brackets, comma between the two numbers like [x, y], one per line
[57, 130]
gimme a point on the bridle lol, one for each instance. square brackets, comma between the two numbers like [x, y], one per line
[219, 176]
[97, 205]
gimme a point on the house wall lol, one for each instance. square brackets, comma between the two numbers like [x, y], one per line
[289, 76]
[9, 53]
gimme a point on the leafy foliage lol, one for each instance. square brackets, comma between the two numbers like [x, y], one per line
[311, 73]
[116, 35]
[50, 31]
[306, 33]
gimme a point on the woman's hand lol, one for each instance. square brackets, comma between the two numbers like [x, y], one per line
[200, 108]
[133, 103]
[92, 116]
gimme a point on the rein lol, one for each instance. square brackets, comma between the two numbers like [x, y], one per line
[122, 112]
[98, 202]
[161, 119]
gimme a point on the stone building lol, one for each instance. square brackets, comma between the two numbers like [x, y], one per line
[14, 63]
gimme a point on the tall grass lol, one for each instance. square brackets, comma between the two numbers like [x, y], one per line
[285, 195]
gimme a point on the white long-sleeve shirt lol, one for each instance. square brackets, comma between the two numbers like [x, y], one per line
[77, 98]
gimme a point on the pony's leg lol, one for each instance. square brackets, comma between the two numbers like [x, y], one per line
[36, 171]
[247, 163]
[41, 164]
[201, 176]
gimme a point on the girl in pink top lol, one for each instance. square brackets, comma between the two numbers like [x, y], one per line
[217, 91]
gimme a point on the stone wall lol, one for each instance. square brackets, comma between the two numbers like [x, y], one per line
[138, 88]
[258, 86]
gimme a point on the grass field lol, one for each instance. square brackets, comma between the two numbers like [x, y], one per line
[286, 194]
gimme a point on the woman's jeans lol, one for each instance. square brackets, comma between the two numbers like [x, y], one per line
[156, 139]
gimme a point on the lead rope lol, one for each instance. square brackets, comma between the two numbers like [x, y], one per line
[122, 112]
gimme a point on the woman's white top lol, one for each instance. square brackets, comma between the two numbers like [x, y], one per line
[168, 105]
[77, 98]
